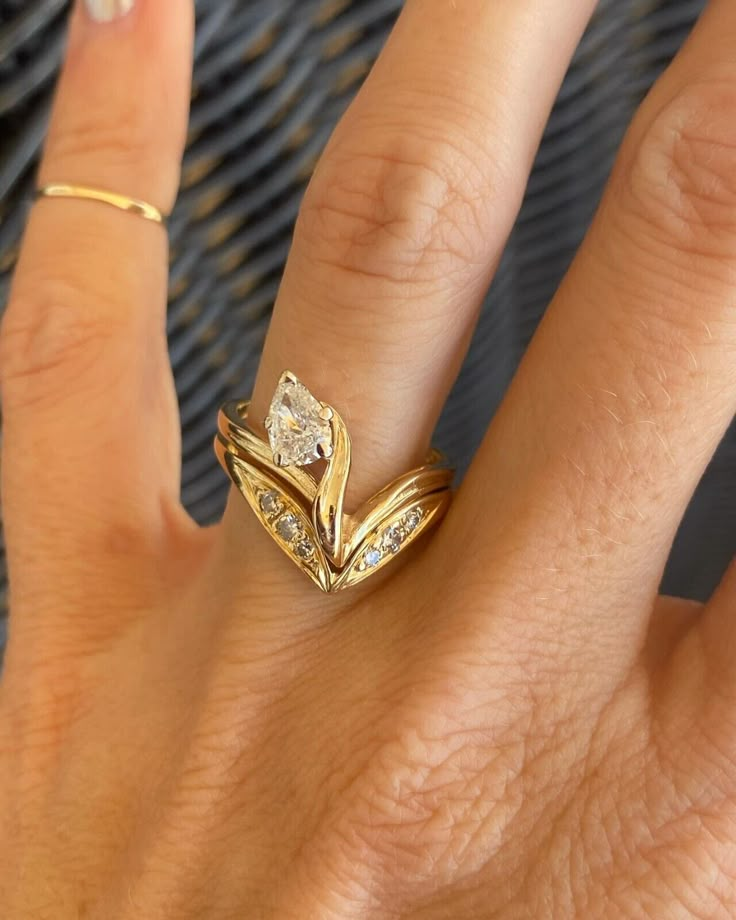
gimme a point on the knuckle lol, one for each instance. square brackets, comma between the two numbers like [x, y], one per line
[404, 211]
[430, 796]
[124, 145]
[49, 341]
[682, 176]
[42, 704]
[411, 812]
[117, 132]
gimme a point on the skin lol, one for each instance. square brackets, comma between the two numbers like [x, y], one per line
[510, 723]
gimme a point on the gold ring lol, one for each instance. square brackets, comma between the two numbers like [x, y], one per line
[121, 202]
[303, 512]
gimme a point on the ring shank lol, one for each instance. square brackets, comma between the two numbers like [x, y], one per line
[122, 202]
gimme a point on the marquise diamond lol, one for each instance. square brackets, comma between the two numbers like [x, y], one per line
[297, 431]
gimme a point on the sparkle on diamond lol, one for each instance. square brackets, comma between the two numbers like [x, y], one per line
[412, 519]
[288, 527]
[391, 541]
[296, 430]
[304, 549]
[270, 502]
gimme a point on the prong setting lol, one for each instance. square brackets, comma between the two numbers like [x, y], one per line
[299, 428]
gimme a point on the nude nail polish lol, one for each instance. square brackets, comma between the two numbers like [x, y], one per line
[107, 10]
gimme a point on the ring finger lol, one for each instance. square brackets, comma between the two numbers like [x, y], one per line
[406, 215]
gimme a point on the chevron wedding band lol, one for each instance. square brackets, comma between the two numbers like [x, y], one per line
[303, 510]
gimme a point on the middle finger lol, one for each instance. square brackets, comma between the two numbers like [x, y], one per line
[406, 215]
[627, 388]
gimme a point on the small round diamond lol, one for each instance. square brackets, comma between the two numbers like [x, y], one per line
[372, 557]
[270, 503]
[391, 540]
[288, 527]
[304, 549]
[412, 519]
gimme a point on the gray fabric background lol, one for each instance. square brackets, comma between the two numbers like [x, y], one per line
[271, 78]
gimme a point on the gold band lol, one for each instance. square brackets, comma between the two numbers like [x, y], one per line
[304, 514]
[121, 202]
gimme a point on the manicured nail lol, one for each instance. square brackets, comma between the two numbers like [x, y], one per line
[107, 10]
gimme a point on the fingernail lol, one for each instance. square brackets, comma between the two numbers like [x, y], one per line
[107, 10]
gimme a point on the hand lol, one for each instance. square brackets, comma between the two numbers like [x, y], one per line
[510, 724]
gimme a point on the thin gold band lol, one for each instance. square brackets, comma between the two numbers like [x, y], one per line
[121, 202]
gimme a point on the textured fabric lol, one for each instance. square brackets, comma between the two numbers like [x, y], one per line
[271, 78]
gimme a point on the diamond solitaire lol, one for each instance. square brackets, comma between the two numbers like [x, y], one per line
[298, 425]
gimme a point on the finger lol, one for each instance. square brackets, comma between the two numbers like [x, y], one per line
[716, 638]
[673, 618]
[630, 382]
[405, 217]
[90, 450]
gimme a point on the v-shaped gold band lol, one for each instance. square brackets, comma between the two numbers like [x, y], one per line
[305, 515]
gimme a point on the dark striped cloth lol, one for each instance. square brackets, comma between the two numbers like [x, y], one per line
[271, 78]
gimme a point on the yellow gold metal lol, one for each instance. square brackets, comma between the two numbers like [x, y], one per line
[122, 202]
[304, 514]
